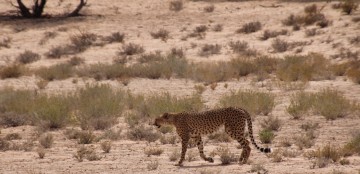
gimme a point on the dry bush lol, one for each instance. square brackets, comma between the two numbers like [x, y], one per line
[28, 57]
[112, 134]
[191, 155]
[115, 37]
[41, 84]
[271, 123]
[59, 51]
[175, 155]
[217, 28]
[355, 19]
[75, 61]
[311, 32]
[312, 15]
[168, 139]
[86, 137]
[258, 168]
[153, 165]
[300, 104]
[349, 6]
[153, 151]
[176, 5]
[103, 71]
[12, 136]
[72, 133]
[12, 119]
[177, 52]
[99, 106]
[238, 46]
[266, 136]
[200, 88]
[131, 49]
[92, 155]
[12, 71]
[160, 34]
[5, 42]
[308, 126]
[82, 41]
[106, 146]
[340, 69]
[303, 141]
[4, 145]
[46, 140]
[272, 34]
[209, 8]
[226, 157]
[151, 57]
[47, 35]
[55, 72]
[276, 156]
[327, 152]
[41, 152]
[199, 31]
[353, 146]
[344, 161]
[253, 101]
[280, 45]
[141, 133]
[355, 40]
[309, 67]
[250, 27]
[208, 50]
[81, 153]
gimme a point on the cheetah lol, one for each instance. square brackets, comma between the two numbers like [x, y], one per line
[193, 125]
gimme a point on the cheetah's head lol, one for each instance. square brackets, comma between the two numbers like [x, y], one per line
[166, 118]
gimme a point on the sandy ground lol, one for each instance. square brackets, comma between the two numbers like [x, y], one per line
[136, 19]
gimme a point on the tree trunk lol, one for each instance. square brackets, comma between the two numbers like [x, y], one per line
[24, 11]
[38, 9]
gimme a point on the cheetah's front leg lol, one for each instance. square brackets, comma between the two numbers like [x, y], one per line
[184, 144]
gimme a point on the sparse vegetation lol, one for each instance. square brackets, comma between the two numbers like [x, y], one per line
[272, 34]
[175, 155]
[153, 151]
[226, 157]
[12, 136]
[353, 146]
[115, 37]
[324, 155]
[55, 72]
[141, 133]
[153, 165]
[250, 27]
[252, 101]
[266, 136]
[5, 42]
[160, 34]
[271, 123]
[209, 8]
[86, 137]
[106, 146]
[46, 140]
[131, 49]
[28, 57]
[41, 152]
[280, 45]
[208, 50]
[176, 5]
[12, 71]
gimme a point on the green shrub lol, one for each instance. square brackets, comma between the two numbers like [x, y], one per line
[55, 72]
[211, 72]
[52, 112]
[155, 105]
[98, 106]
[252, 101]
[353, 146]
[16, 102]
[300, 104]
[310, 67]
[266, 136]
[331, 104]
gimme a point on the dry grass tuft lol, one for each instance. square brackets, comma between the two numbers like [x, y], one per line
[272, 34]
[176, 5]
[46, 140]
[153, 151]
[12, 71]
[28, 57]
[209, 8]
[106, 146]
[208, 50]
[160, 34]
[250, 27]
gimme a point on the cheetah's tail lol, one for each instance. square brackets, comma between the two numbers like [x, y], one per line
[249, 123]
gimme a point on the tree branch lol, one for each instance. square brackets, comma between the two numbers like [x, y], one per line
[23, 9]
[78, 8]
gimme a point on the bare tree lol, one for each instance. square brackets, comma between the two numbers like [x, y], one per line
[38, 8]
